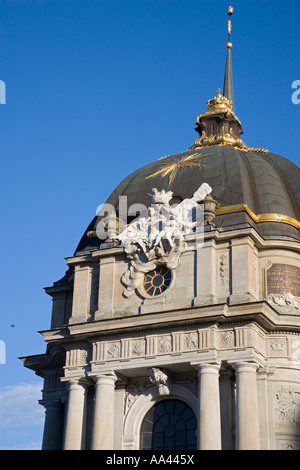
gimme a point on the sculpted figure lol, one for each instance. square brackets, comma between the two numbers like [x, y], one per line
[159, 239]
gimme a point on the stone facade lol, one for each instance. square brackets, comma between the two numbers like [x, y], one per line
[214, 339]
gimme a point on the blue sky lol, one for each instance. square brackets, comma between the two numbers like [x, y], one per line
[94, 90]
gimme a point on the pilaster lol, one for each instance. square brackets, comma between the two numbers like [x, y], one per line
[244, 271]
[206, 274]
[81, 295]
[106, 288]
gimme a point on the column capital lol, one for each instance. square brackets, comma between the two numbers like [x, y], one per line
[208, 367]
[78, 383]
[245, 366]
[108, 378]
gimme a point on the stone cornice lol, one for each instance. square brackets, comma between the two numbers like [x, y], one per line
[260, 313]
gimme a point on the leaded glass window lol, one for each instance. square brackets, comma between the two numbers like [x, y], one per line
[169, 425]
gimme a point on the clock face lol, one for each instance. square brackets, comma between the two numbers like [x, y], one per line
[157, 281]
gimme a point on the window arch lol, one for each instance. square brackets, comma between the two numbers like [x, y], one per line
[169, 425]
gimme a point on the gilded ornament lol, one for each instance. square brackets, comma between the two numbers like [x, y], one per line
[285, 219]
[174, 166]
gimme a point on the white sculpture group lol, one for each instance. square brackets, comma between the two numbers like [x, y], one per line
[158, 239]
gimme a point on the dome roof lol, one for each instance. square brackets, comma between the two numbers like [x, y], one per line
[260, 189]
[252, 186]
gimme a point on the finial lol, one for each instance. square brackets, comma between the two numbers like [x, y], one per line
[228, 85]
[229, 13]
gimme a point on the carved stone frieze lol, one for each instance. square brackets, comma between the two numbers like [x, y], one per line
[277, 347]
[191, 340]
[164, 344]
[227, 339]
[77, 357]
[113, 350]
[138, 347]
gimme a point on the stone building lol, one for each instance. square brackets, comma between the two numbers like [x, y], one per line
[180, 329]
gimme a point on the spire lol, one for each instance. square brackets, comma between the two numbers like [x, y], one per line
[219, 124]
[228, 84]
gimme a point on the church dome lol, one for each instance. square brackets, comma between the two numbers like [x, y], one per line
[251, 187]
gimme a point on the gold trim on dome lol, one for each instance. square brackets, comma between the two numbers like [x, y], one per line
[271, 217]
[281, 218]
[252, 149]
[225, 139]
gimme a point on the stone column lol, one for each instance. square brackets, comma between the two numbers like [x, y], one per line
[102, 438]
[247, 416]
[53, 428]
[75, 415]
[209, 428]
[226, 403]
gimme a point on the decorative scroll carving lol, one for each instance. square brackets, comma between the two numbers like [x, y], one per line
[158, 240]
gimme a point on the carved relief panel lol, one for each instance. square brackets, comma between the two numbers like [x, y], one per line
[223, 274]
[287, 408]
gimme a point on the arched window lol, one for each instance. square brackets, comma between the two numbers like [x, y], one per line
[169, 425]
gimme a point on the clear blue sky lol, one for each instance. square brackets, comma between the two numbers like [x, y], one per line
[94, 90]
